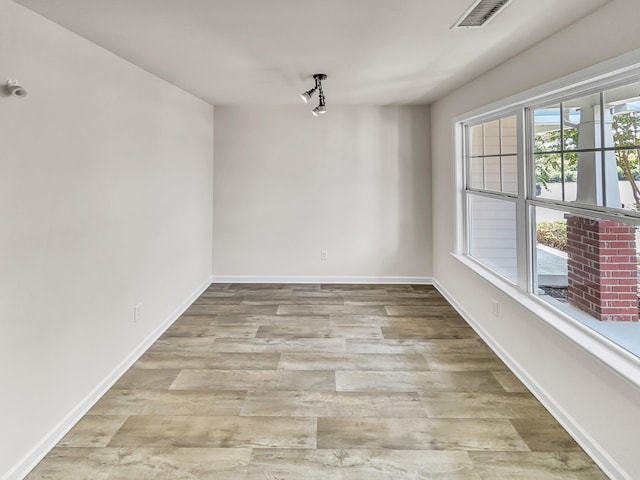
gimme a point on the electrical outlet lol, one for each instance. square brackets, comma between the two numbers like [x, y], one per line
[137, 313]
[324, 255]
[494, 307]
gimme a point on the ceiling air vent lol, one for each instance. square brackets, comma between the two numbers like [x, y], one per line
[480, 13]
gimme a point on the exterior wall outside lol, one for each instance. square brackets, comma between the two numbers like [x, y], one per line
[105, 199]
[493, 237]
[354, 182]
[576, 382]
[603, 268]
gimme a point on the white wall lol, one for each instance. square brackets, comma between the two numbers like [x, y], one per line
[604, 408]
[355, 182]
[105, 202]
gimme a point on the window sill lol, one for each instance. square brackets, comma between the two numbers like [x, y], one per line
[615, 357]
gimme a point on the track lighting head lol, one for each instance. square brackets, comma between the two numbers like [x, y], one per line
[306, 96]
[319, 110]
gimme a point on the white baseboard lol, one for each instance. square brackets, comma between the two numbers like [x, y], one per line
[610, 467]
[320, 279]
[37, 453]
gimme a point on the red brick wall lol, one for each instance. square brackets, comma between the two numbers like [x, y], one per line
[603, 268]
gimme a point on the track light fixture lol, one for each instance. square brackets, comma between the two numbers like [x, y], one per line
[306, 96]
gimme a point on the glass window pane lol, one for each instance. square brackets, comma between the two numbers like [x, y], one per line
[475, 141]
[621, 186]
[550, 182]
[492, 173]
[510, 174]
[570, 179]
[626, 129]
[509, 135]
[597, 178]
[629, 179]
[551, 252]
[546, 129]
[624, 104]
[492, 227]
[476, 173]
[492, 138]
[588, 268]
[581, 120]
[571, 124]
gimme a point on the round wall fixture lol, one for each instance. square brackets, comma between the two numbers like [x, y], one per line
[14, 88]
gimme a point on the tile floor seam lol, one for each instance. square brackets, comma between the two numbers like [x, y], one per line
[414, 422]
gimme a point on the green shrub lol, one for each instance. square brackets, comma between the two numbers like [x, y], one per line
[552, 234]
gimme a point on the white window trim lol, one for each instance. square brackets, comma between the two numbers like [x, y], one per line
[622, 69]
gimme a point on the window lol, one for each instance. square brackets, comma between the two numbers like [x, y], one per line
[551, 201]
[492, 190]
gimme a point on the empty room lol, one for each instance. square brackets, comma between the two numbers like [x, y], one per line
[350, 239]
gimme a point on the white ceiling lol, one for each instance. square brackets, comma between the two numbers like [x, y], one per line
[265, 51]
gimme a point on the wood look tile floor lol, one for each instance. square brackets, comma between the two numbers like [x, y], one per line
[346, 382]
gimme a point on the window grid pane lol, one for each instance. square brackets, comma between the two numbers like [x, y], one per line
[492, 161]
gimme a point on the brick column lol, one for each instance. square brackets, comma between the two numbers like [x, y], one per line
[602, 268]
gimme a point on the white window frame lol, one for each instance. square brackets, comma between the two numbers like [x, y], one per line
[620, 70]
[516, 199]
